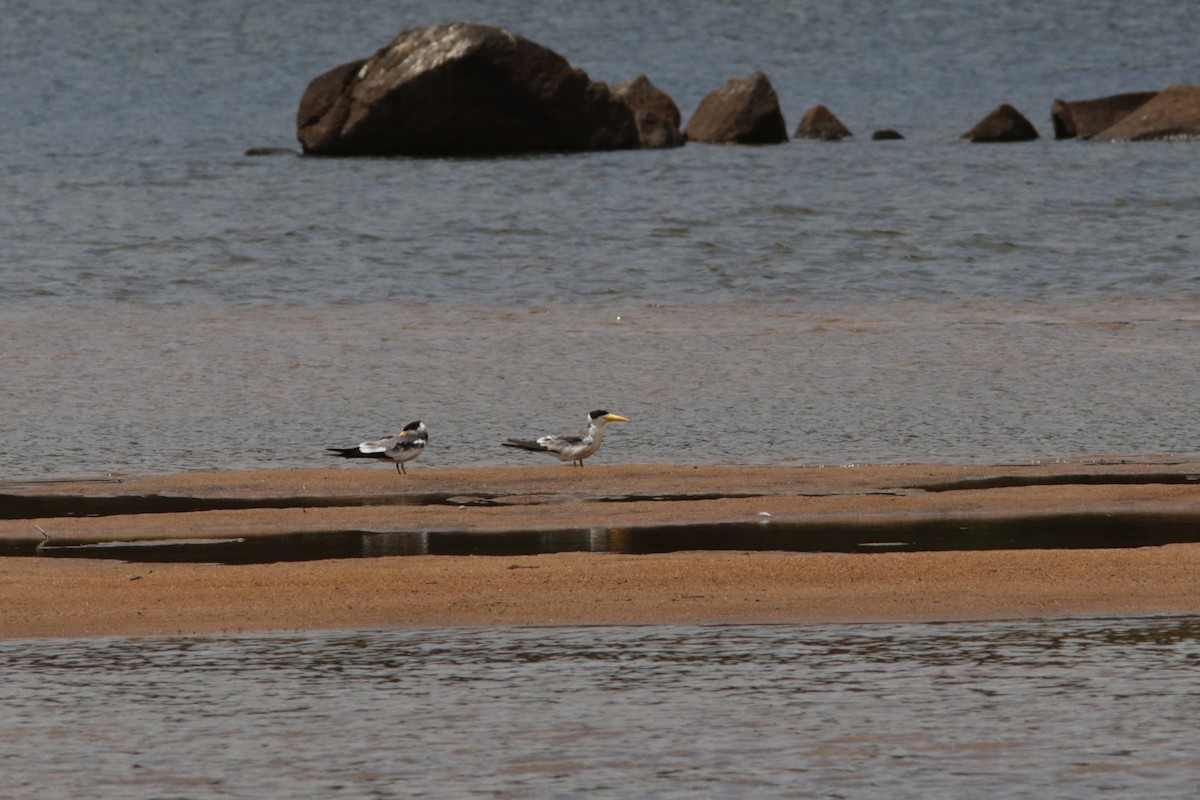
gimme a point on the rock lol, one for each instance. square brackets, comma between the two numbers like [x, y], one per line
[1086, 118]
[821, 123]
[886, 134]
[1003, 124]
[1174, 113]
[654, 112]
[324, 108]
[742, 111]
[269, 151]
[460, 89]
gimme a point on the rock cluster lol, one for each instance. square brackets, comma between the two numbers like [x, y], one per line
[467, 89]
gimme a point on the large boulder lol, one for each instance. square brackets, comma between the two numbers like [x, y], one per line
[821, 123]
[1003, 124]
[1085, 118]
[325, 106]
[742, 111]
[655, 113]
[460, 89]
[1174, 113]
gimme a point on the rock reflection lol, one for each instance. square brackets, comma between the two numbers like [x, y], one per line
[418, 543]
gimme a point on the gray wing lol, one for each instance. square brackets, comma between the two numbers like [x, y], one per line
[403, 442]
[408, 442]
[564, 440]
[378, 445]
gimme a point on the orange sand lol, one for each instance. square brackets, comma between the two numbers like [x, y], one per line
[74, 597]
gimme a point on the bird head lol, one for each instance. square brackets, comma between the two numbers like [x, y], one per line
[604, 416]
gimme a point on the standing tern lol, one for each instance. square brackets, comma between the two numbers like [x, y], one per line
[575, 446]
[404, 446]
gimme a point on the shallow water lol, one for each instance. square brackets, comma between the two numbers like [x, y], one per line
[1057, 709]
[1063, 531]
[138, 389]
[171, 304]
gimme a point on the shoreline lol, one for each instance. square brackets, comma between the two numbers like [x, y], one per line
[45, 596]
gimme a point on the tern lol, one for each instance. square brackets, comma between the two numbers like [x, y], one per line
[575, 446]
[404, 446]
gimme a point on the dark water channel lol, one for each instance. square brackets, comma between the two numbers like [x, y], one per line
[1088, 530]
[1060, 531]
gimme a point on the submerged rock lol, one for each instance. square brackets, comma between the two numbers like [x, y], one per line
[269, 151]
[743, 110]
[886, 134]
[1173, 113]
[460, 89]
[1085, 118]
[821, 123]
[1003, 124]
[654, 112]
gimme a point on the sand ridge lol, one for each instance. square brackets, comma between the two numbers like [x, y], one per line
[84, 597]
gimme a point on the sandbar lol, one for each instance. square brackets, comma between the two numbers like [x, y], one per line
[43, 596]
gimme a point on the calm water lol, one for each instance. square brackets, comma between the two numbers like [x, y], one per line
[1066, 709]
[171, 304]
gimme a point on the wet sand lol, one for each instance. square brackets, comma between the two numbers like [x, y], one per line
[44, 596]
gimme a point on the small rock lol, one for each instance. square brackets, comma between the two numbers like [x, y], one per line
[741, 111]
[1173, 113]
[654, 112]
[1003, 124]
[1085, 118]
[821, 123]
[270, 151]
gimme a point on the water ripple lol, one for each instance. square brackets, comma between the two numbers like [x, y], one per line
[1056, 709]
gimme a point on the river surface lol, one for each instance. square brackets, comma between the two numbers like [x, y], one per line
[1057, 709]
[170, 303]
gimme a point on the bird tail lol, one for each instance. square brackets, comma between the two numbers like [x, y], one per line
[347, 452]
[525, 444]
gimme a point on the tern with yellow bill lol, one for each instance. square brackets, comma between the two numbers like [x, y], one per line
[573, 447]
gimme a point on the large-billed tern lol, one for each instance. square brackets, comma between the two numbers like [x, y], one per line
[574, 446]
[404, 446]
